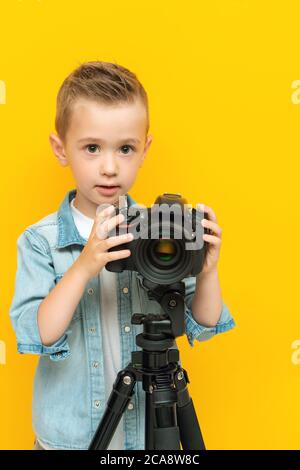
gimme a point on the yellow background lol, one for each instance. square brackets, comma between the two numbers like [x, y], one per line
[226, 129]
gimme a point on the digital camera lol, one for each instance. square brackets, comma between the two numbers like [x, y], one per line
[168, 240]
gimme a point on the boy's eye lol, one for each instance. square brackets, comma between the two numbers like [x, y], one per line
[92, 148]
[127, 147]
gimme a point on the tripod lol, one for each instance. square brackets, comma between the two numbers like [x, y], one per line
[170, 416]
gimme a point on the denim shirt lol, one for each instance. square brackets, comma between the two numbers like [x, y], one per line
[69, 383]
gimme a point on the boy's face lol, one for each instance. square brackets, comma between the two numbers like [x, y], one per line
[100, 150]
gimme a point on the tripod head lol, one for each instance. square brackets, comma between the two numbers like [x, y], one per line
[171, 299]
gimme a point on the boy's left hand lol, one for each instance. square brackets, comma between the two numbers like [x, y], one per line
[213, 239]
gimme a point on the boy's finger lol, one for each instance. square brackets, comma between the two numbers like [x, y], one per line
[209, 210]
[117, 240]
[105, 227]
[104, 210]
[101, 217]
[212, 226]
[114, 255]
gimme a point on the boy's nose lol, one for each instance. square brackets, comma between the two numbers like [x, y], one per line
[108, 165]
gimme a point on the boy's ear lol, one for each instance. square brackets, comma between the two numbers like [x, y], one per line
[146, 148]
[58, 149]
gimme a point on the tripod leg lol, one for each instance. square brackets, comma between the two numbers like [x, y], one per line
[123, 390]
[149, 426]
[161, 427]
[190, 433]
[167, 437]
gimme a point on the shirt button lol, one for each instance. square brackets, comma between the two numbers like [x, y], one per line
[92, 330]
[127, 328]
[97, 403]
[95, 364]
[130, 406]
[125, 290]
[90, 291]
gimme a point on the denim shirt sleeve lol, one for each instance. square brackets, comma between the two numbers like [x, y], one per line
[34, 280]
[195, 330]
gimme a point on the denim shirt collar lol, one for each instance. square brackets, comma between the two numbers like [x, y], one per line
[67, 230]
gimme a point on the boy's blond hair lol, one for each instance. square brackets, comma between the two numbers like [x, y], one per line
[105, 82]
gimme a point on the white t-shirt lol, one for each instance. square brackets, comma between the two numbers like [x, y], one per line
[109, 325]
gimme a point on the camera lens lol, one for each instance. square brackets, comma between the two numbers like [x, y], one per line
[163, 255]
[160, 255]
[164, 250]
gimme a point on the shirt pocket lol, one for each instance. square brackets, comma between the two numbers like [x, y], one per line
[78, 311]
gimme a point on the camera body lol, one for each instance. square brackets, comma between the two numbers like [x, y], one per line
[168, 240]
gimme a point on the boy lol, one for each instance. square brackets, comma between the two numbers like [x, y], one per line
[66, 307]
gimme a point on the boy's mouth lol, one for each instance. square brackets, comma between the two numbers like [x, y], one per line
[107, 186]
[107, 190]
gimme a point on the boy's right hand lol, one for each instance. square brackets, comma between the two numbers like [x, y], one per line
[95, 255]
